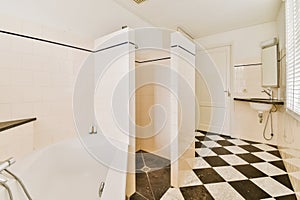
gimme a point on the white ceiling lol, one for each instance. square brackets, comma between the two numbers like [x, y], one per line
[95, 18]
[88, 18]
[204, 17]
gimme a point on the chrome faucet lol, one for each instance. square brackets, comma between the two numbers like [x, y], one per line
[3, 168]
[7, 163]
[269, 92]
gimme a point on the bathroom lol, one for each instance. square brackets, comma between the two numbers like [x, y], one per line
[45, 46]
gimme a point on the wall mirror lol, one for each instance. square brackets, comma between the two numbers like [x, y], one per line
[269, 64]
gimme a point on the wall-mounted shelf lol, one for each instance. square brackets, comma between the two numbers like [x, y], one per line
[261, 100]
[14, 123]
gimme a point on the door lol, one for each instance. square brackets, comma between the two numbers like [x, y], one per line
[213, 89]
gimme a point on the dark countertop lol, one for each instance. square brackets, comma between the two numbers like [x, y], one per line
[261, 100]
[14, 123]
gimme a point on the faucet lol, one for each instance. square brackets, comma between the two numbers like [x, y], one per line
[3, 168]
[3, 183]
[7, 163]
[269, 92]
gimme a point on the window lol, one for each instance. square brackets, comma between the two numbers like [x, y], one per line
[293, 55]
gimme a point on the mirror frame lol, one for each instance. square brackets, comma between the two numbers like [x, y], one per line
[277, 68]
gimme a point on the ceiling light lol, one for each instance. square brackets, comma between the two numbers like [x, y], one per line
[139, 1]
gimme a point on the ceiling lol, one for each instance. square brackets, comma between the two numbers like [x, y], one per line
[88, 18]
[95, 18]
[204, 17]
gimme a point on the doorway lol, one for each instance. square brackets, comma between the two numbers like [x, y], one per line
[213, 89]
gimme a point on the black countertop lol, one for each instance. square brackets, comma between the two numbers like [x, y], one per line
[14, 123]
[261, 100]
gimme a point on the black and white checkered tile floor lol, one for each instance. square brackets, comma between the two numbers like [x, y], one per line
[225, 168]
[236, 169]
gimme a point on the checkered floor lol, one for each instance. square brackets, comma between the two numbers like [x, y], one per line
[226, 168]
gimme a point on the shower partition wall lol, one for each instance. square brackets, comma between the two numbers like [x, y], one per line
[145, 96]
[165, 108]
[102, 104]
[183, 108]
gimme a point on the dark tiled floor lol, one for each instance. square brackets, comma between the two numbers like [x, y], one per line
[284, 179]
[152, 176]
[279, 164]
[288, 197]
[224, 143]
[250, 148]
[227, 169]
[249, 171]
[215, 161]
[220, 151]
[194, 192]
[250, 158]
[208, 175]
[275, 153]
[249, 190]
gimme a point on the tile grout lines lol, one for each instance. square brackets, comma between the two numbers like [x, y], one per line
[143, 158]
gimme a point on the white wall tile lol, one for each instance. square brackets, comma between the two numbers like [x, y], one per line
[22, 45]
[9, 60]
[5, 112]
[22, 78]
[22, 110]
[16, 142]
[5, 77]
[6, 43]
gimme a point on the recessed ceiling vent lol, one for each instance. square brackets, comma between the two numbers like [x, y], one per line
[139, 1]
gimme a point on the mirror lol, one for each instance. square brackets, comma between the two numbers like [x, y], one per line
[269, 66]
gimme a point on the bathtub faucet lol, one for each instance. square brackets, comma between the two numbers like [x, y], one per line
[5, 164]
[3, 168]
[3, 181]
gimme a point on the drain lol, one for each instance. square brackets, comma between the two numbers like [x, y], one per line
[146, 169]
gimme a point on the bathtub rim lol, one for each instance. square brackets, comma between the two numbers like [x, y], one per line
[115, 180]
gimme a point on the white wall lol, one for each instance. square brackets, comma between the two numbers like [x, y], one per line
[245, 81]
[20, 137]
[37, 79]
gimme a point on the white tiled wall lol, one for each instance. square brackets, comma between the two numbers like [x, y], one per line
[247, 81]
[36, 80]
[16, 142]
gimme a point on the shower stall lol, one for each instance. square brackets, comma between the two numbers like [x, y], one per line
[141, 93]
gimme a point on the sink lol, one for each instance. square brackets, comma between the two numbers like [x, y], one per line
[260, 107]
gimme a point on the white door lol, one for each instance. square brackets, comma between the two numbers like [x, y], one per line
[213, 90]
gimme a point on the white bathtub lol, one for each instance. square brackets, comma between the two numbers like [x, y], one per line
[65, 171]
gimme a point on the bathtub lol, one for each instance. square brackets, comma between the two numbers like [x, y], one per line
[65, 171]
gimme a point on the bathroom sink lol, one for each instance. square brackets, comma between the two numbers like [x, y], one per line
[260, 107]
